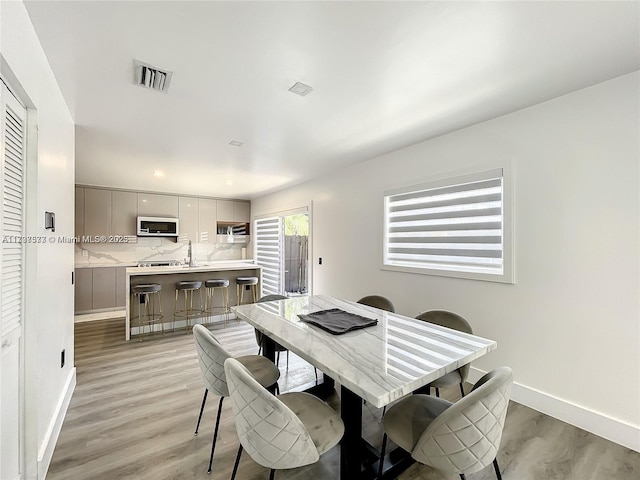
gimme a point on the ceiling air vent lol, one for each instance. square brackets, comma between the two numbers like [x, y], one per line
[151, 77]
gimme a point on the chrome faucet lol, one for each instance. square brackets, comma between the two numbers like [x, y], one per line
[190, 254]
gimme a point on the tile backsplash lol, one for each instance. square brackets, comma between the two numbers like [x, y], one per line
[153, 249]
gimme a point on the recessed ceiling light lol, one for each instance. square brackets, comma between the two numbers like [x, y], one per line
[236, 143]
[229, 182]
[300, 89]
[158, 173]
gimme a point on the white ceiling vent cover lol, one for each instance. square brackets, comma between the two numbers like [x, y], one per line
[148, 76]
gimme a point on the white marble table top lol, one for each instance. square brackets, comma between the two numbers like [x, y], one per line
[380, 363]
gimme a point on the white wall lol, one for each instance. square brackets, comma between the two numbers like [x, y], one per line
[569, 326]
[48, 326]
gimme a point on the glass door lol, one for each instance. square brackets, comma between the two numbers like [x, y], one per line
[282, 249]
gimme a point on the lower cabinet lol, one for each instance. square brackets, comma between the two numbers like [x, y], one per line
[99, 288]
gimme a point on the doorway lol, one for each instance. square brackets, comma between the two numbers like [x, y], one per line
[281, 248]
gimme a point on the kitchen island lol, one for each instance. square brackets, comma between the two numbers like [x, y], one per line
[168, 276]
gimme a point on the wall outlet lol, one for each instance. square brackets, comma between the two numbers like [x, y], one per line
[62, 359]
[319, 260]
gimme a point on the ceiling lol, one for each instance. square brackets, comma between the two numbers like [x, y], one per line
[384, 75]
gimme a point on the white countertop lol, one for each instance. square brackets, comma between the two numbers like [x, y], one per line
[211, 267]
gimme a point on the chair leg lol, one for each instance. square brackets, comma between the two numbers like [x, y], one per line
[215, 434]
[462, 477]
[204, 400]
[277, 359]
[382, 452]
[462, 389]
[497, 468]
[272, 474]
[437, 392]
[235, 465]
[287, 360]
[316, 372]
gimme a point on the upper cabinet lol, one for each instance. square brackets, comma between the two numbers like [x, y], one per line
[124, 210]
[188, 216]
[207, 218]
[104, 212]
[197, 219]
[155, 205]
[79, 220]
[97, 211]
[234, 211]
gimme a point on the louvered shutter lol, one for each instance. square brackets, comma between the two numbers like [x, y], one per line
[12, 216]
[454, 225]
[268, 240]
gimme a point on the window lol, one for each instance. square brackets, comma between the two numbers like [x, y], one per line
[453, 227]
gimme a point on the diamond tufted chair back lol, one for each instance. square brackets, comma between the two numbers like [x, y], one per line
[269, 431]
[211, 356]
[465, 437]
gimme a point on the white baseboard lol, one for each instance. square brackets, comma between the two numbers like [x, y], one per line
[597, 423]
[53, 432]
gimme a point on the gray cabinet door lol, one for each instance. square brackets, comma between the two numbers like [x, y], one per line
[154, 205]
[225, 210]
[121, 292]
[104, 287]
[79, 213]
[83, 300]
[124, 210]
[207, 217]
[188, 215]
[241, 212]
[97, 212]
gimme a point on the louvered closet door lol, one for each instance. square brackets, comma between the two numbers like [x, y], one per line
[269, 253]
[12, 126]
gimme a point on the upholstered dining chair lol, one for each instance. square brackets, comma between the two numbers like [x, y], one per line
[455, 322]
[462, 437]
[279, 348]
[377, 301]
[211, 356]
[279, 432]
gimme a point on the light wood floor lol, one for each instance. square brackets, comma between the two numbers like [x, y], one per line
[135, 406]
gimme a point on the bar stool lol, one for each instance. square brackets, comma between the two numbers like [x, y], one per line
[241, 282]
[188, 312]
[209, 307]
[149, 295]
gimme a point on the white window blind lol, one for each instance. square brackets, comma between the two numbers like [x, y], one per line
[12, 215]
[269, 252]
[452, 225]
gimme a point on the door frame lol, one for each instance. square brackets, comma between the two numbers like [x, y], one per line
[308, 209]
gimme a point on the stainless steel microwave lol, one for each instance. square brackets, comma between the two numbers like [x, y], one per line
[157, 227]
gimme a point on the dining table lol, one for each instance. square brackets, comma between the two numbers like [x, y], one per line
[377, 364]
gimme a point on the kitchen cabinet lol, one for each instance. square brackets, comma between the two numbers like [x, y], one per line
[100, 288]
[234, 211]
[207, 218]
[156, 205]
[79, 212]
[188, 216]
[197, 219]
[83, 300]
[124, 210]
[104, 287]
[97, 212]
[121, 292]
